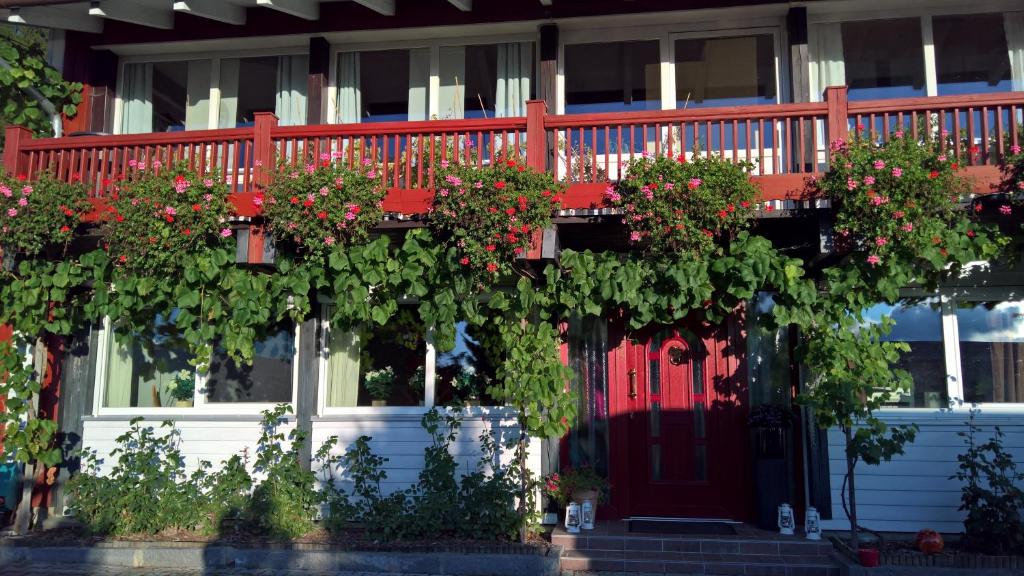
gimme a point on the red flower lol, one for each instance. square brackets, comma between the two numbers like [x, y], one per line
[546, 193]
[512, 238]
[170, 218]
[464, 261]
[196, 207]
[745, 204]
[492, 267]
[722, 213]
[321, 215]
[977, 207]
[510, 211]
[492, 210]
[307, 203]
[524, 229]
[294, 200]
[681, 158]
[491, 247]
[521, 168]
[933, 174]
[65, 229]
[511, 162]
[954, 166]
[500, 185]
[731, 208]
[120, 218]
[187, 231]
[970, 233]
[122, 259]
[769, 208]
[22, 177]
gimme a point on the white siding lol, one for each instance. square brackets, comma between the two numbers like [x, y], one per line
[914, 490]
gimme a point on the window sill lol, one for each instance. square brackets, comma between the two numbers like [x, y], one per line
[356, 413]
[180, 415]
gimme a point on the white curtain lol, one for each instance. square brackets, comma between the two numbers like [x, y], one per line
[452, 93]
[419, 83]
[292, 75]
[828, 58]
[350, 101]
[119, 374]
[1013, 24]
[197, 111]
[515, 68]
[228, 111]
[137, 99]
[343, 369]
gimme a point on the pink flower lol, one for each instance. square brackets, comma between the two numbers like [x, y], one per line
[310, 168]
[170, 211]
[869, 180]
[694, 183]
[5, 191]
[133, 163]
[207, 182]
[942, 158]
[225, 232]
[26, 191]
[325, 156]
[669, 186]
[851, 184]
[877, 200]
[453, 180]
[1015, 149]
[208, 197]
[873, 260]
[881, 241]
[258, 163]
[12, 212]
[257, 201]
[350, 216]
[336, 154]
[897, 172]
[22, 202]
[478, 184]
[878, 164]
[897, 214]
[443, 192]
[908, 227]
[371, 174]
[324, 191]
[635, 236]
[329, 240]
[898, 134]
[1005, 209]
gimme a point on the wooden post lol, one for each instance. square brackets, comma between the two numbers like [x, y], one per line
[15, 136]
[536, 135]
[316, 83]
[838, 113]
[263, 148]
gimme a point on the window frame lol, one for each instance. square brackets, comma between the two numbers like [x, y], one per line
[200, 405]
[214, 57]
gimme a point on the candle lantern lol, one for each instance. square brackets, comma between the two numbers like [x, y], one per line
[786, 520]
[587, 515]
[812, 523]
[572, 518]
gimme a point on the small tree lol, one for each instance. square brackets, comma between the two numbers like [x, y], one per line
[852, 378]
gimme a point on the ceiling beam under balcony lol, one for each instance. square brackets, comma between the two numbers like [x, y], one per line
[385, 7]
[464, 5]
[218, 10]
[56, 17]
[133, 12]
[305, 9]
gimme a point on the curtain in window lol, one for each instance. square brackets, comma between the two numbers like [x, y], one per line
[292, 73]
[197, 112]
[588, 357]
[451, 96]
[350, 103]
[1013, 23]
[137, 379]
[137, 99]
[228, 111]
[343, 369]
[119, 375]
[828, 58]
[1007, 372]
[419, 81]
[515, 68]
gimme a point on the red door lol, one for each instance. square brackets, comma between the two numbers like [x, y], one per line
[682, 404]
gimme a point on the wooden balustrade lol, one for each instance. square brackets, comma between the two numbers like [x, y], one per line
[785, 143]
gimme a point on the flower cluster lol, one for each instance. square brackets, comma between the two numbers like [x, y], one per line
[159, 214]
[322, 205]
[679, 205]
[491, 214]
[897, 196]
[38, 215]
[1013, 177]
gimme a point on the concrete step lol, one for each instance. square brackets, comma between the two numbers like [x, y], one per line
[692, 544]
[690, 563]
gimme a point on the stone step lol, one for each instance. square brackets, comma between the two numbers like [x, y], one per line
[693, 563]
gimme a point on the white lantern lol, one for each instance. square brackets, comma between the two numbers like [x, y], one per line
[572, 518]
[587, 513]
[812, 524]
[786, 521]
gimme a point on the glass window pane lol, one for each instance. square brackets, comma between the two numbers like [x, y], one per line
[481, 81]
[920, 325]
[655, 419]
[170, 96]
[248, 85]
[725, 71]
[385, 97]
[992, 350]
[392, 362]
[142, 373]
[612, 77]
[884, 58]
[971, 54]
[699, 426]
[269, 379]
[588, 357]
[768, 353]
[464, 373]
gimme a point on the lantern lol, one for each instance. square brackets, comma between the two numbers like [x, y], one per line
[812, 523]
[587, 515]
[572, 518]
[786, 521]
[929, 541]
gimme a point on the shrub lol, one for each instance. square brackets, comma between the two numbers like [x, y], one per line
[991, 495]
[682, 205]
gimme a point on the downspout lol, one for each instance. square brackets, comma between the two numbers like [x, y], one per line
[46, 105]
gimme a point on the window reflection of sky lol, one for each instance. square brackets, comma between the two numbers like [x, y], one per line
[919, 321]
[461, 352]
[979, 322]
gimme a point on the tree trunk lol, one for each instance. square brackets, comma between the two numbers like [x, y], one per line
[23, 515]
[852, 490]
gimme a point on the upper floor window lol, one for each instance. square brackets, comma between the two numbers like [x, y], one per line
[727, 71]
[971, 54]
[612, 77]
[883, 58]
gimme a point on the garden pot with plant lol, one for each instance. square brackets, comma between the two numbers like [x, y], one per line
[868, 556]
[378, 385]
[182, 388]
[577, 485]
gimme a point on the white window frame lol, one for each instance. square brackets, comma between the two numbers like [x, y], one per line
[432, 44]
[213, 57]
[200, 404]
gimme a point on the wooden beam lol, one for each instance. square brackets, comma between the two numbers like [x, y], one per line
[218, 10]
[464, 5]
[59, 17]
[385, 7]
[132, 12]
[305, 9]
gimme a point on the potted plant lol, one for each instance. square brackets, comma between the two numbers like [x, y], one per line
[418, 382]
[182, 388]
[378, 385]
[769, 428]
[467, 386]
[579, 484]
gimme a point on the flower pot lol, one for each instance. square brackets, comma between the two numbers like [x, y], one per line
[183, 403]
[472, 402]
[579, 496]
[868, 557]
[378, 403]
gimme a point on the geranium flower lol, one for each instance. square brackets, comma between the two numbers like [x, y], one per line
[897, 172]
[492, 267]
[490, 247]
[1005, 209]
[878, 164]
[22, 202]
[5, 191]
[321, 215]
[329, 241]
[26, 191]
[868, 180]
[464, 261]
[873, 260]
[694, 183]
[170, 211]
[908, 227]
[12, 212]
[634, 236]
[881, 241]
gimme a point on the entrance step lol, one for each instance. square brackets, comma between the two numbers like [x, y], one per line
[750, 553]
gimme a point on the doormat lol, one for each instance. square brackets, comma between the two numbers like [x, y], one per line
[682, 527]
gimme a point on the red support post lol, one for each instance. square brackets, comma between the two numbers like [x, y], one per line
[536, 135]
[14, 137]
[838, 113]
[263, 147]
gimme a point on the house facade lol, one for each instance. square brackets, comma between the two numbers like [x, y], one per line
[580, 87]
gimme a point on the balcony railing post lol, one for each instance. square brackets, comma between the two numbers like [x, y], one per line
[263, 147]
[536, 136]
[838, 113]
[14, 137]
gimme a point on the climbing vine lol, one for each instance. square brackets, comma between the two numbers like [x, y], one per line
[26, 76]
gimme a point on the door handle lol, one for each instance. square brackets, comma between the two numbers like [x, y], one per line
[632, 383]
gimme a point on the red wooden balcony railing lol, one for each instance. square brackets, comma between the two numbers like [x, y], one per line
[785, 143]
